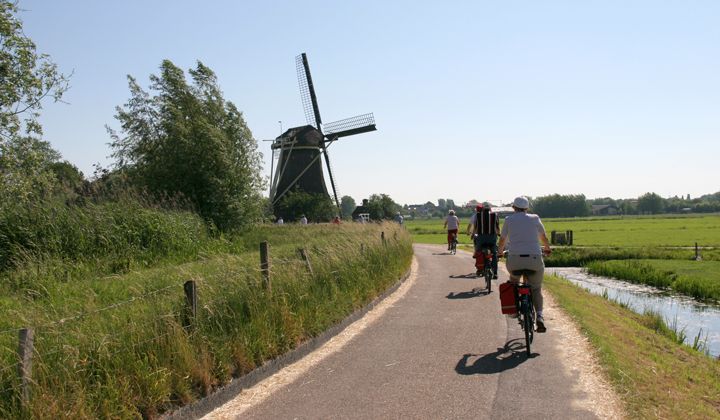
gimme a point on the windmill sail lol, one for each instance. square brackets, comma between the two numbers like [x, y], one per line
[349, 126]
[307, 91]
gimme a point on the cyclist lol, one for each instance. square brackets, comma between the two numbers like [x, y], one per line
[452, 223]
[484, 227]
[522, 231]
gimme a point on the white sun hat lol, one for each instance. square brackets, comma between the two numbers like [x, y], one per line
[521, 202]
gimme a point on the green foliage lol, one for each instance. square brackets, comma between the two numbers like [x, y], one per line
[135, 359]
[26, 170]
[188, 140]
[381, 206]
[347, 205]
[26, 77]
[650, 203]
[557, 205]
[316, 207]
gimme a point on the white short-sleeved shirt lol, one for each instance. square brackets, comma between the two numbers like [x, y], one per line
[522, 231]
[453, 222]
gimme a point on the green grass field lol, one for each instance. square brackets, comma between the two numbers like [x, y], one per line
[628, 231]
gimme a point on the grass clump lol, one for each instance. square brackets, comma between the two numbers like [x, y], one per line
[654, 375]
[699, 279]
[125, 348]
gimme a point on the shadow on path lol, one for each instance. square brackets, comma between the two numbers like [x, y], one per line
[443, 253]
[464, 276]
[476, 292]
[508, 357]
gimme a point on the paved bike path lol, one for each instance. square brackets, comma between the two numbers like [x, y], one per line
[440, 352]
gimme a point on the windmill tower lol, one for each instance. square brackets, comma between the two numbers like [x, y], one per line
[299, 149]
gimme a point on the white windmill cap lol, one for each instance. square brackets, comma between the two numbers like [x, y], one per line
[521, 202]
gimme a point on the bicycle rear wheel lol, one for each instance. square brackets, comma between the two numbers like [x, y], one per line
[488, 279]
[527, 326]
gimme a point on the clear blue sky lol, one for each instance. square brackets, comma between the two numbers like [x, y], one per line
[476, 99]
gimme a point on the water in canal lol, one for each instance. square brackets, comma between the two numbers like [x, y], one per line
[690, 314]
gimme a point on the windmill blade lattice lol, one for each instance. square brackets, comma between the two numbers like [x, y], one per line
[307, 91]
[349, 126]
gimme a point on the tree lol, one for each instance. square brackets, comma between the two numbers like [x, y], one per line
[442, 204]
[26, 77]
[316, 207]
[26, 170]
[188, 140]
[347, 205]
[650, 203]
[381, 206]
[557, 205]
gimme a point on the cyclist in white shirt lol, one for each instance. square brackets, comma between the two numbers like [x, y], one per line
[524, 232]
[452, 223]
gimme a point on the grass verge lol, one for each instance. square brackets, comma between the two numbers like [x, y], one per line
[654, 376]
[118, 347]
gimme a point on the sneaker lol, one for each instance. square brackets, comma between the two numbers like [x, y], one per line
[540, 325]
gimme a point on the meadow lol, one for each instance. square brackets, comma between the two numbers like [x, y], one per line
[610, 231]
[125, 344]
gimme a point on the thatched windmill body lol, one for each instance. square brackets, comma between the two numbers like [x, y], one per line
[300, 150]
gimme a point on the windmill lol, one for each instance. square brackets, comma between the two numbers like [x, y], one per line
[299, 149]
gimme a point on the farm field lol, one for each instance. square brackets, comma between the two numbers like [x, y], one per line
[628, 231]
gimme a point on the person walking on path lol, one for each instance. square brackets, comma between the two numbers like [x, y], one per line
[524, 232]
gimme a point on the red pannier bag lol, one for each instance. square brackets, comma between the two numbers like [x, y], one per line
[507, 298]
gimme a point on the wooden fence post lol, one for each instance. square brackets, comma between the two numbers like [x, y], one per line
[569, 237]
[191, 298]
[362, 248]
[697, 252]
[306, 258]
[265, 264]
[552, 237]
[382, 237]
[25, 353]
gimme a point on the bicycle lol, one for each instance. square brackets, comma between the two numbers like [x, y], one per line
[453, 244]
[525, 307]
[487, 256]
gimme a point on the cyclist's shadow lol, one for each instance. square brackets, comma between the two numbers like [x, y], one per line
[508, 357]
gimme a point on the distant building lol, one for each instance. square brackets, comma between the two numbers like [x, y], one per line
[604, 210]
[362, 212]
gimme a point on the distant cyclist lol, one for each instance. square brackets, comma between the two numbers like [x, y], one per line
[452, 223]
[522, 231]
[484, 227]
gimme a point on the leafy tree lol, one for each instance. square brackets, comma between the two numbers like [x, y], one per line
[650, 203]
[347, 205]
[26, 77]
[186, 139]
[316, 207]
[381, 206]
[557, 205]
[25, 170]
[442, 204]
